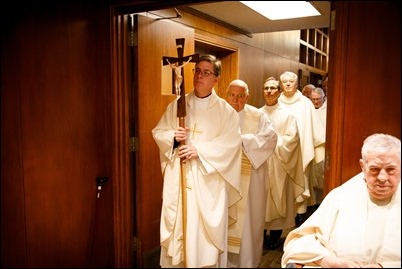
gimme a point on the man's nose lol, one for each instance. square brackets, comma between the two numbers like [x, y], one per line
[383, 175]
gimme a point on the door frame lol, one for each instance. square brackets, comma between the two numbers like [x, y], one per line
[123, 169]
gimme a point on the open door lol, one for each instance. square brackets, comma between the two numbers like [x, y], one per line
[153, 91]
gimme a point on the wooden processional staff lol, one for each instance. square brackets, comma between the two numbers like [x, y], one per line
[176, 63]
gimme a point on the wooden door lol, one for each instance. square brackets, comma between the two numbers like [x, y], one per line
[364, 94]
[156, 38]
[55, 138]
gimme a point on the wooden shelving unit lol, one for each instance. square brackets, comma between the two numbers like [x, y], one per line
[314, 48]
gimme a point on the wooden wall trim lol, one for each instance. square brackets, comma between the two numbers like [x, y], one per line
[336, 102]
[214, 42]
[122, 179]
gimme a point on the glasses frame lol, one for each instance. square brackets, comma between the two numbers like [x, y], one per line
[203, 73]
[270, 88]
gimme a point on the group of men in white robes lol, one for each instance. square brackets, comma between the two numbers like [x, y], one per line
[303, 110]
[246, 169]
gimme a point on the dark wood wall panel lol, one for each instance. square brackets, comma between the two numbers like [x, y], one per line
[372, 90]
[12, 184]
[57, 104]
[364, 82]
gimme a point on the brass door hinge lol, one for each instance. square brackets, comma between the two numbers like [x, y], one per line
[136, 244]
[133, 144]
[133, 40]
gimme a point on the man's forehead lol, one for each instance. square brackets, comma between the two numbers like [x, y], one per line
[204, 63]
[236, 88]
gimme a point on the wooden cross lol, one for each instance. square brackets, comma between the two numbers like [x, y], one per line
[178, 88]
[177, 72]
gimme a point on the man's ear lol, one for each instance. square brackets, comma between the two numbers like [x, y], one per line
[361, 162]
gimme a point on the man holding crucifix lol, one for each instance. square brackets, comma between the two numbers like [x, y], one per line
[212, 158]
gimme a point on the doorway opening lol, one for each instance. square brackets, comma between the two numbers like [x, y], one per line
[229, 57]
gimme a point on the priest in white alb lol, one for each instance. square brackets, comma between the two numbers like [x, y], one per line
[303, 109]
[245, 238]
[358, 224]
[212, 154]
[286, 177]
[320, 125]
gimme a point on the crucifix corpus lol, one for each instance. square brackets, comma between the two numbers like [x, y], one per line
[176, 63]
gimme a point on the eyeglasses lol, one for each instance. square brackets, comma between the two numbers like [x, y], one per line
[270, 88]
[204, 73]
[316, 99]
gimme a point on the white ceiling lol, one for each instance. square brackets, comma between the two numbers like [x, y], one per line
[250, 22]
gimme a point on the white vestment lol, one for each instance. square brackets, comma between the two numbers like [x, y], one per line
[303, 109]
[349, 225]
[246, 236]
[213, 182]
[286, 177]
[317, 176]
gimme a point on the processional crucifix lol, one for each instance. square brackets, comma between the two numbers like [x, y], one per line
[176, 63]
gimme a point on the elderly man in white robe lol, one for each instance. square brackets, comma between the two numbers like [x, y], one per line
[286, 177]
[212, 154]
[358, 224]
[319, 100]
[302, 108]
[259, 141]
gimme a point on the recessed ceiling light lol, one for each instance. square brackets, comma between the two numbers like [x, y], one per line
[280, 10]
